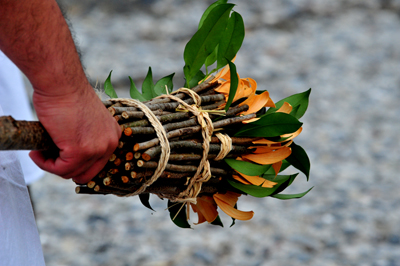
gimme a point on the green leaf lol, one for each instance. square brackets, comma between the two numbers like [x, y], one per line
[233, 222]
[205, 14]
[270, 125]
[298, 101]
[285, 164]
[291, 196]
[148, 86]
[234, 85]
[196, 79]
[217, 221]
[108, 87]
[177, 212]
[134, 92]
[231, 40]
[248, 168]
[144, 199]
[233, 219]
[282, 185]
[260, 192]
[159, 87]
[204, 41]
[299, 159]
[211, 58]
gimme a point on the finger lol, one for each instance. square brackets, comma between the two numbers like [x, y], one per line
[65, 168]
[86, 176]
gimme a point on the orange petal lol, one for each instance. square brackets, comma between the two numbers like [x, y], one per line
[270, 103]
[241, 180]
[292, 135]
[229, 197]
[206, 205]
[269, 157]
[224, 73]
[256, 102]
[228, 208]
[286, 137]
[265, 149]
[202, 219]
[245, 88]
[224, 88]
[258, 181]
[264, 141]
[277, 166]
[285, 108]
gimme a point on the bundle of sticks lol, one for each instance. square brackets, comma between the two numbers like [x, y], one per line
[138, 154]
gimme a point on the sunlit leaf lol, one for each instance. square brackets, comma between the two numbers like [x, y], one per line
[204, 41]
[178, 215]
[108, 87]
[270, 125]
[233, 85]
[247, 168]
[279, 178]
[148, 86]
[218, 221]
[144, 199]
[291, 196]
[212, 57]
[159, 87]
[196, 79]
[298, 101]
[205, 14]
[299, 159]
[231, 40]
[134, 92]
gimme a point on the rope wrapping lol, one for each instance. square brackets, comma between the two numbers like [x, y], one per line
[203, 173]
[162, 136]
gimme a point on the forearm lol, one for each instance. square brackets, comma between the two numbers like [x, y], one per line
[36, 37]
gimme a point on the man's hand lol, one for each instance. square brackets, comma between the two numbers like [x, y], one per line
[36, 37]
[82, 129]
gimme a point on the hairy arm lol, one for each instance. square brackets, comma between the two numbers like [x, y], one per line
[36, 37]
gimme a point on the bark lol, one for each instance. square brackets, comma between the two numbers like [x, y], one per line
[24, 135]
[192, 130]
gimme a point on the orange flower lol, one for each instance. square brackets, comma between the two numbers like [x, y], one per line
[206, 209]
[256, 102]
[227, 201]
[286, 137]
[285, 108]
[254, 180]
[269, 157]
[277, 167]
[246, 86]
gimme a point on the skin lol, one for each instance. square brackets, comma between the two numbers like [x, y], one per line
[36, 37]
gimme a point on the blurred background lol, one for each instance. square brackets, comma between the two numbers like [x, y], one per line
[347, 51]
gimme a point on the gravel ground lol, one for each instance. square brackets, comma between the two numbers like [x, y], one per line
[348, 52]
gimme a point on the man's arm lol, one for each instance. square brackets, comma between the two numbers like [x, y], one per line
[36, 37]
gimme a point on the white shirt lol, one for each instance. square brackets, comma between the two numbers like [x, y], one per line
[14, 101]
[19, 237]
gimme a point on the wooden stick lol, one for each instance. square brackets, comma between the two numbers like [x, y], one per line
[191, 130]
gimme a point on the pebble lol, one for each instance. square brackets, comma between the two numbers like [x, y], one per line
[348, 52]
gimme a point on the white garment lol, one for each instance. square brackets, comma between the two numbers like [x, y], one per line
[15, 102]
[19, 238]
